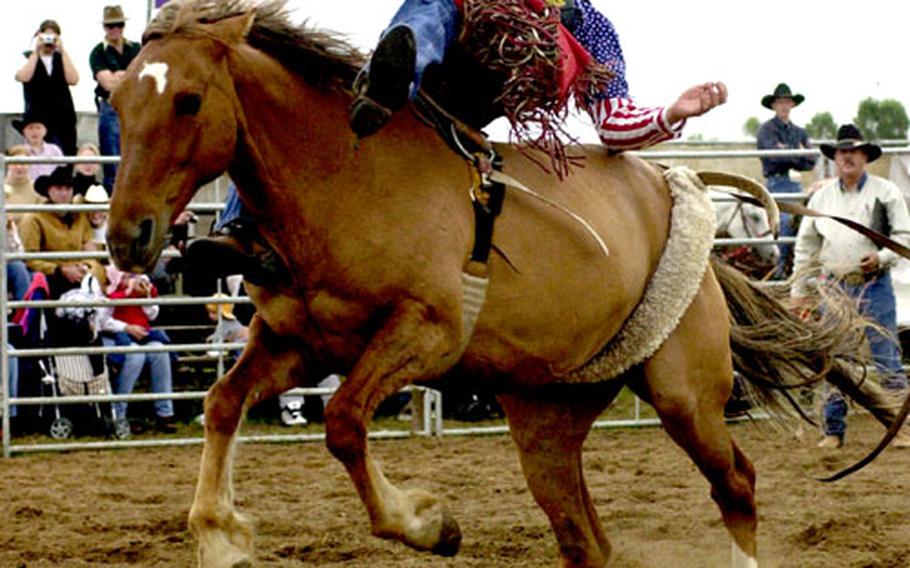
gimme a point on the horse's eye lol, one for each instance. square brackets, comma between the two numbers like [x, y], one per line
[187, 104]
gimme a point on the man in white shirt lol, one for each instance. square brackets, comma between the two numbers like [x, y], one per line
[854, 260]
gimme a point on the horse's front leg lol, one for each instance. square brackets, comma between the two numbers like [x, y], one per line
[416, 342]
[267, 367]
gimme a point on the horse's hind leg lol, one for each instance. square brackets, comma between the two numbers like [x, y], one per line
[688, 381]
[416, 342]
[267, 367]
[549, 427]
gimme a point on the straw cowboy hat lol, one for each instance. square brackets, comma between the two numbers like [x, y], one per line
[96, 194]
[113, 15]
[781, 91]
[31, 116]
[62, 175]
[848, 138]
[227, 310]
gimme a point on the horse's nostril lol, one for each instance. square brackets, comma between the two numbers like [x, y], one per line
[145, 233]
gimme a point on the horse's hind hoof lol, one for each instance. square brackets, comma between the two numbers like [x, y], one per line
[242, 564]
[449, 537]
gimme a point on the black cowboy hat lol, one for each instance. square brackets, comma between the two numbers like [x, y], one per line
[849, 137]
[30, 116]
[781, 91]
[62, 175]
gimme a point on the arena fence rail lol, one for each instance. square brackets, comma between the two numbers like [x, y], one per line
[427, 417]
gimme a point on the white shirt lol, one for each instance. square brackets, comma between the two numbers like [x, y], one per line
[838, 248]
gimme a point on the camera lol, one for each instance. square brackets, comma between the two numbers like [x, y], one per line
[48, 39]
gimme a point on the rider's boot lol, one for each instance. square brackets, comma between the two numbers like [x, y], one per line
[383, 86]
[236, 248]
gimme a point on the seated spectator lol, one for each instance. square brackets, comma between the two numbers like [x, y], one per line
[19, 190]
[46, 78]
[87, 173]
[18, 278]
[96, 195]
[131, 325]
[17, 185]
[52, 231]
[229, 330]
[34, 130]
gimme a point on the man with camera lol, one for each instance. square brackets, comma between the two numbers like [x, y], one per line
[46, 78]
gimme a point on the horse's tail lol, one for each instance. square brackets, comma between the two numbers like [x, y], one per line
[777, 351]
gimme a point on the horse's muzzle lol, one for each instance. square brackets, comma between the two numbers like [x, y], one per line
[133, 246]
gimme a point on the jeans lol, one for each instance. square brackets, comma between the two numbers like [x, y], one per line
[233, 208]
[108, 140]
[125, 379]
[13, 379]
[18, 278]
[433, 23]
[783, 184]
[878, 303]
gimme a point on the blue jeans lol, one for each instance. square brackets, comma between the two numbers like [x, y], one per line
[433, 23]
[878, 303]
[18, 278]
[108, 140]
[125, 379]
[13, 379]
[783, 184]
[233, 207]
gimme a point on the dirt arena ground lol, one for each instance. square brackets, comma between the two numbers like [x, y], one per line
[127, 508]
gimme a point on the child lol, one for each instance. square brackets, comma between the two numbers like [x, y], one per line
[32, 127]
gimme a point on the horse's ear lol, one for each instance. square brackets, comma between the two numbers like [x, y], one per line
[234, 29]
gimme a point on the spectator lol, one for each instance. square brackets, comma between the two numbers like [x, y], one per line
[96, 195]
[109, 60]
[18, 186]
[53, 231]
[131, 325]
[781, 173]
[86, 172]
[854, 261]
[229, 330]
[46, 78]
[18, 190]
[32, 127]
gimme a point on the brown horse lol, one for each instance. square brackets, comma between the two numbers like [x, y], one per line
[375, 234]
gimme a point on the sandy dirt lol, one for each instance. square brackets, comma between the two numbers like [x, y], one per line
[120, 508]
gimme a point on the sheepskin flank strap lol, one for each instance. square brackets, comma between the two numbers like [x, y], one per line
[672, 288]
[474, 291]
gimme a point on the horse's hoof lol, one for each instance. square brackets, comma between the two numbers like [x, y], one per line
[242, 564]
[449, 537]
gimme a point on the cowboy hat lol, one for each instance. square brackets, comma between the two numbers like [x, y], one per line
[31, 116]
[227, 310]
[62, 175]
[113, 15]
[781, 91]
[848, 138]
[96, 194]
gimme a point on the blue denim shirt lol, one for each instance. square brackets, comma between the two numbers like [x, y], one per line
[775, 132]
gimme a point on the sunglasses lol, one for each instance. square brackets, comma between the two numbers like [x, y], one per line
[115, 25]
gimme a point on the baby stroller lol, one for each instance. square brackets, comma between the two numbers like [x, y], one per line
[71, 375]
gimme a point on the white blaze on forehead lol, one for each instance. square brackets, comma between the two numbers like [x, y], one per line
[158, 72]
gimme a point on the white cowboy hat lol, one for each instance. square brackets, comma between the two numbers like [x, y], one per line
[96, 194]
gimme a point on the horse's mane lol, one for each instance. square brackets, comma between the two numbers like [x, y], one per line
[323, 59]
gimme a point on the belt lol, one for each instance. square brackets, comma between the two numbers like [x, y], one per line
[856, 277]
